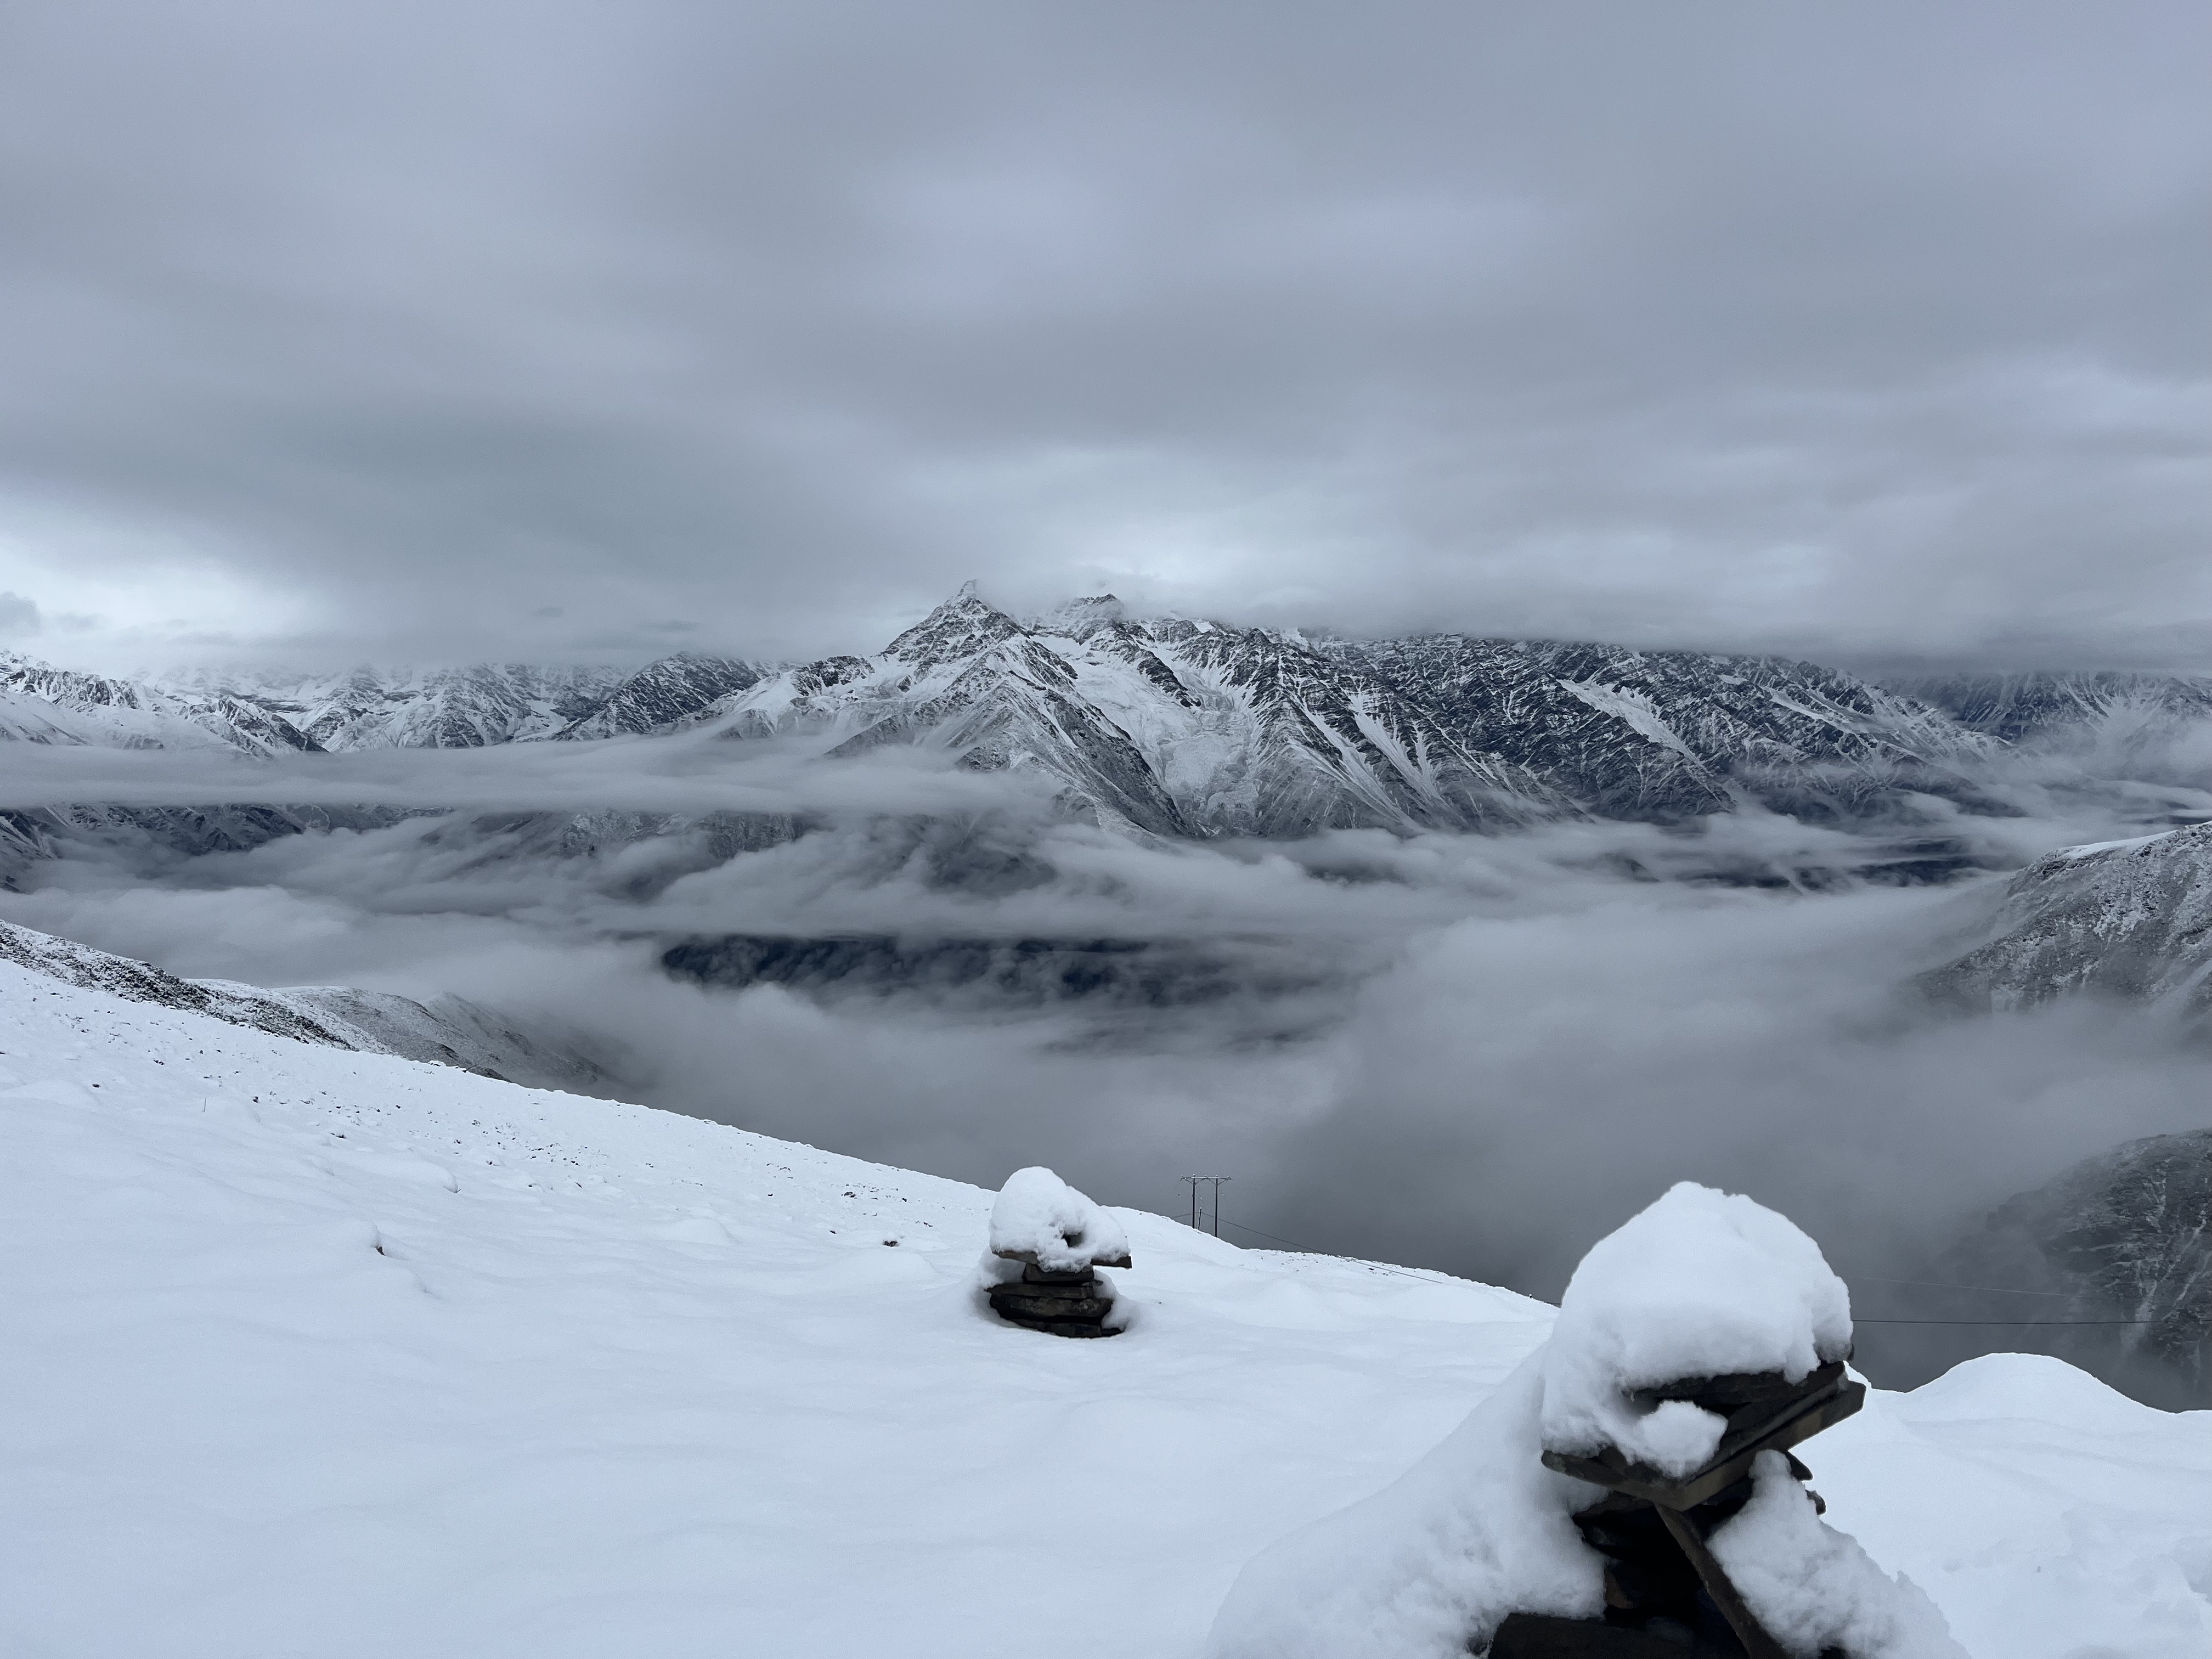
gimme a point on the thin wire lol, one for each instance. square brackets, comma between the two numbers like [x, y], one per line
[1937, 1284]
[2010, 1324]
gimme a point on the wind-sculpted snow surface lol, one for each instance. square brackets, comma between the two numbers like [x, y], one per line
[2130, 920]
[1702, 1283]
[425, 1363]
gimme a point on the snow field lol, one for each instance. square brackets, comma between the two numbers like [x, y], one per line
[313, 1352]
[323, 1353]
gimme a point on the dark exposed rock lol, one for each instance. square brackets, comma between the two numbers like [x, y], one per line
[662, 696]
[1067, 1303]
[1149, 974]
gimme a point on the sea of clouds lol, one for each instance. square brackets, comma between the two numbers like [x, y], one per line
[1474, 1054]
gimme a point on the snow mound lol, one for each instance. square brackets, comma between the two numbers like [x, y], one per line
[1812, 1588]
[1478, 1530]
[1040, 1218]
[1700, 1284]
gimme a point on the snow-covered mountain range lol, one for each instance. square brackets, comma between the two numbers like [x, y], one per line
[470, 708]
[39, 703]
[1167, 726]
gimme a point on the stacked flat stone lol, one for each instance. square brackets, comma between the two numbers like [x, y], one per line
[1666, 1596]
[1068, 1304]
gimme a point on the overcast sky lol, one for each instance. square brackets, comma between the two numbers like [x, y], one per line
[587, 328]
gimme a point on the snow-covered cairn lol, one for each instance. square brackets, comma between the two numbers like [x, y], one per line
[1060, 1238]
[1628, 1491]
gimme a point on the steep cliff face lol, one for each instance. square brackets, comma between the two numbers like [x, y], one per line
[2122, 1244]
[2130, 920]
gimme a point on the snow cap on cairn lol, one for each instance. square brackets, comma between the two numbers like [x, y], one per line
[1040, 1218]
[1700, 1284]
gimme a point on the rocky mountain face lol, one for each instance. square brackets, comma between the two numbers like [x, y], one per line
[2019, 707]
[435, 709]
[447, 1030]
[2130, 920]
[39, 703]
[2116, 1258]
[1673, 734]
[1185, 728]
[487, 704]
[662, 696]
[1171, 726]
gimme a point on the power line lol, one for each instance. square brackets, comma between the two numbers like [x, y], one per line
[2010, 1324]
[1938, 1285]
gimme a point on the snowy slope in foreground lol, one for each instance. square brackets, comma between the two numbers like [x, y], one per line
[315, 1351]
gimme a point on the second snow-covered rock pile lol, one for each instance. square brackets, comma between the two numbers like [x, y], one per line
[1629, 1490]
[1060, 1238]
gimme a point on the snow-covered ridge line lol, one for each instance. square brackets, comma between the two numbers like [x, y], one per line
[448, 1030]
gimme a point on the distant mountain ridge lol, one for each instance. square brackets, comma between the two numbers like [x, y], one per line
[2019, 708]
[40, 703]
[1185, 728]
[476, 707]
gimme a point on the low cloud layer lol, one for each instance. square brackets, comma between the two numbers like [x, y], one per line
[1476, 1054]
[571, 331]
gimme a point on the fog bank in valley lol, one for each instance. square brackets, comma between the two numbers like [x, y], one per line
[1476, 1053]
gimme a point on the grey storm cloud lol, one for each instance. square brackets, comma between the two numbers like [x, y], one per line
[1871, 331]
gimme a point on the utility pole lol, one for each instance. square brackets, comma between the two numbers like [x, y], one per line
[1192, 1181]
